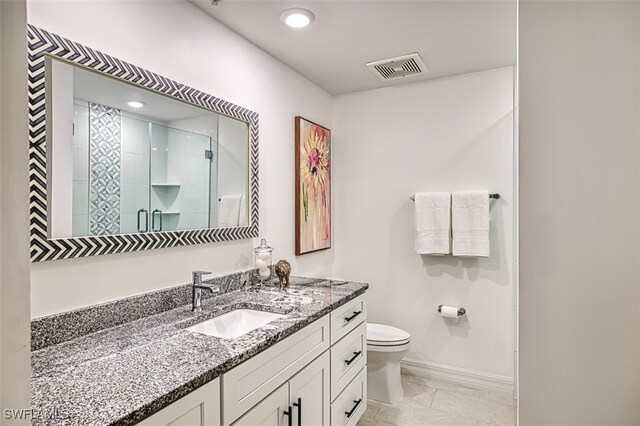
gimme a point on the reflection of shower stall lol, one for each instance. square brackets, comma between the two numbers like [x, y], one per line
[133, 175]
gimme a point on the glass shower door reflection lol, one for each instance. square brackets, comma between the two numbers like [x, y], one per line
[134, 209]
[180, 179]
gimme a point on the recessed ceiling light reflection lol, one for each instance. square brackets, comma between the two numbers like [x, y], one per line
[136, 104]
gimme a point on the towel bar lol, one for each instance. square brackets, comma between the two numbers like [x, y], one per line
[494, 196]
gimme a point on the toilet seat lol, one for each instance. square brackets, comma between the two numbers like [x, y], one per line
[386, 338]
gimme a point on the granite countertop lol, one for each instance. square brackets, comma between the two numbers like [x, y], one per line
[123, 374]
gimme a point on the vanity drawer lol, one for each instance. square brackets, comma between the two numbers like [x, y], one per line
[347, 409]
[248, 383]
[347, 317]
[348, 357]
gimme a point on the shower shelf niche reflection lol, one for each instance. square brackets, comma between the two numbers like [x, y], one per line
[166, 185]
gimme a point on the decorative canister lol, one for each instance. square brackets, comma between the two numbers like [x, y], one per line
[263, 257]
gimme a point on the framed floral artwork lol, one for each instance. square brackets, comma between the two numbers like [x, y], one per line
[313, 187]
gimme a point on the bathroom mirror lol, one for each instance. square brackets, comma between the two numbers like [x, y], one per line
[123, 159]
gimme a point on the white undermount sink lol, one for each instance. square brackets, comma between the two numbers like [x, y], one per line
[235, 323]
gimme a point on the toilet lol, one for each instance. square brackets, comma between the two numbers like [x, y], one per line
[386, 346]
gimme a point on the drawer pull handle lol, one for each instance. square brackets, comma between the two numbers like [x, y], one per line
[355, 314]
[299, 405]
[353, 358]
[289, 414]
[355, 407]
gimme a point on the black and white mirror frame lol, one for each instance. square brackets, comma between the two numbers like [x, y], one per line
[42, 43]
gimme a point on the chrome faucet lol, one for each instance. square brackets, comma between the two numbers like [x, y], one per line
[196, 289]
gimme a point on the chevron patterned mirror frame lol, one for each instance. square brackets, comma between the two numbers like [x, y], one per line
[42, 43]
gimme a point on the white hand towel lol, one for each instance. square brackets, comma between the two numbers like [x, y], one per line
[244, 214]
[229, 214]
[470, 223]
[433, 212]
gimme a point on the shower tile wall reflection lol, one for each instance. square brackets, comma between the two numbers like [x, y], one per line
[105, 162]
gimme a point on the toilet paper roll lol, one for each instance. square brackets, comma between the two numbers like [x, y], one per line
[450, 312]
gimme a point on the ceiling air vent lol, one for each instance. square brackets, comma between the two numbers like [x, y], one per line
[401, 66]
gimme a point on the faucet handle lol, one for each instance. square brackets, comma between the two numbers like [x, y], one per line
[197, 276]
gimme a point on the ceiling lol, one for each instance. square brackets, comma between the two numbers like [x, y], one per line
[452, 37]
[100, 89]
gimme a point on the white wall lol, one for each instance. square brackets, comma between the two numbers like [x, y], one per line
[61, 170]
[579, 210]
[444, 135]
[15, 362]
[199, 52]
[233, 158]
[80, 193]
[233, 149]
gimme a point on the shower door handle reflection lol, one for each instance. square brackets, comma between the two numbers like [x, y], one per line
[153, 220]
[146, 222]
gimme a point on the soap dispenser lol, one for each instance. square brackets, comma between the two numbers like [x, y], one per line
[263, 259]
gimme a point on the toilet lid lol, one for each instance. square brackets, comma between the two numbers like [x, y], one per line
[380, 334]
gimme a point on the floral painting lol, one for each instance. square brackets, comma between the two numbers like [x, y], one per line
[313, 187]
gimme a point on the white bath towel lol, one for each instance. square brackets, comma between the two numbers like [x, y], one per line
[244, 214]
[433, 212]
[470, 223]
[229, 214]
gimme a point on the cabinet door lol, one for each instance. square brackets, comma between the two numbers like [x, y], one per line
[309, 394]
[199, 408]
[272, 411]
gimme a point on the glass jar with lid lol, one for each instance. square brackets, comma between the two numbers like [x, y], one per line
[263, 260]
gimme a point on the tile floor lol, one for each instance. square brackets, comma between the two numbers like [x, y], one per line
[427, 402]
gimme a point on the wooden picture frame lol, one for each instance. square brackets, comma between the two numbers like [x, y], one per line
[312, 186]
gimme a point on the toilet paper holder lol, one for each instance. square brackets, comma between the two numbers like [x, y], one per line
[461, 311]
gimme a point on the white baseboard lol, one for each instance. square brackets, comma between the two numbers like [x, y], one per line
[458, 376]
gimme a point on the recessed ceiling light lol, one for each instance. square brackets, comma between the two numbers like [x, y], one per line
[297, 18]
[135, 104]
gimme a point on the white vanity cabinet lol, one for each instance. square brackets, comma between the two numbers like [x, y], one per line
[315, 377]
[199, 408]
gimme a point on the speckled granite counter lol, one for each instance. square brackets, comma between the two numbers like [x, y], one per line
[123, 374]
